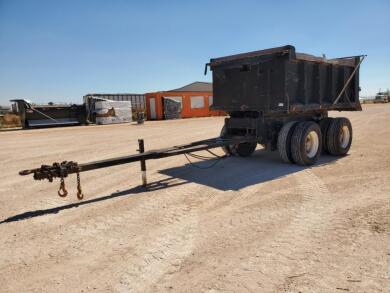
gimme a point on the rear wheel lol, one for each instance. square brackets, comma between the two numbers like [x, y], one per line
[324, 125]
[306, 143]
[339, 136]
[244, 149]
[284, 141]
[227, 149]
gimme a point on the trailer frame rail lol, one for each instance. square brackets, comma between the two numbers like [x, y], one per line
[65, 168]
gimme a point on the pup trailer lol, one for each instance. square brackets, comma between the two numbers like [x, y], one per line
[275, 97]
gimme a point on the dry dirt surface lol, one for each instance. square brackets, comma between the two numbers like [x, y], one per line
[246, 225]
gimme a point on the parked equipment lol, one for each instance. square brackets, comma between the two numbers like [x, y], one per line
[282, 98]
[112, 112]
[137, 101]
[382, 97]
[276, 97]
[48, 115]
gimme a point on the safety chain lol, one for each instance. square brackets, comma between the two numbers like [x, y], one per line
[80, 194]
[63, 192]
[61, 170]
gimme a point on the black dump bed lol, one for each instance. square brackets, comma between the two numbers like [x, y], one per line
[49, 115]
[281, 80]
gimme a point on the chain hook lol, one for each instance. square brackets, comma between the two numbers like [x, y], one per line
[80, 194]
[62, 191]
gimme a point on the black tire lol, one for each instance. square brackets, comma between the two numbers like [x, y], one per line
[324, 125]
[244, 149]
[299, 143]
[227, 149]
[339, 136]
[284, 141]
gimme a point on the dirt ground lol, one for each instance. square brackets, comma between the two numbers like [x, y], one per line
[246, 225]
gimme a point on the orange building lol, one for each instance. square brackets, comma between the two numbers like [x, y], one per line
[192, 100]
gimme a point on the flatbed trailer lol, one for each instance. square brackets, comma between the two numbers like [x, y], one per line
[275, 97]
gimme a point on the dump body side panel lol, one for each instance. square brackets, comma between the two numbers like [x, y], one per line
[279, 80]
[316, 85]
[61, 115]
[256, 84]
[49, 115]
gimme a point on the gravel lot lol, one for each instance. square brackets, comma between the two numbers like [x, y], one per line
[246, 225]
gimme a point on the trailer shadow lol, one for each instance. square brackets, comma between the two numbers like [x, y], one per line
[161, 184]
[235, 173]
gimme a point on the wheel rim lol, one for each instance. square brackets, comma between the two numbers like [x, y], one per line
[312, 144]
[345, 136]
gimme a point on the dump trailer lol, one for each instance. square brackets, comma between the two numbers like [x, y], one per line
[275, 97]
[48, 115]
[282, 98]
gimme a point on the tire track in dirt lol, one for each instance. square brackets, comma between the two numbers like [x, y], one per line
[162, 252]
[103, 240]
[145, 213]
[308, 225]
[154, 258]
[283, 241]
[293, 242]
[155, 251]
[329, 242]
[248, 210]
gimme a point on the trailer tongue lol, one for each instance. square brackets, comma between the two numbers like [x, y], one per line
[65, 168]
[275, 97]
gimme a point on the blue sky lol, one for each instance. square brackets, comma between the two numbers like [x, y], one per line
[61, 50]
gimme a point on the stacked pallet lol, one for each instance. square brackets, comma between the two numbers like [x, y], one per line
[111, 112]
